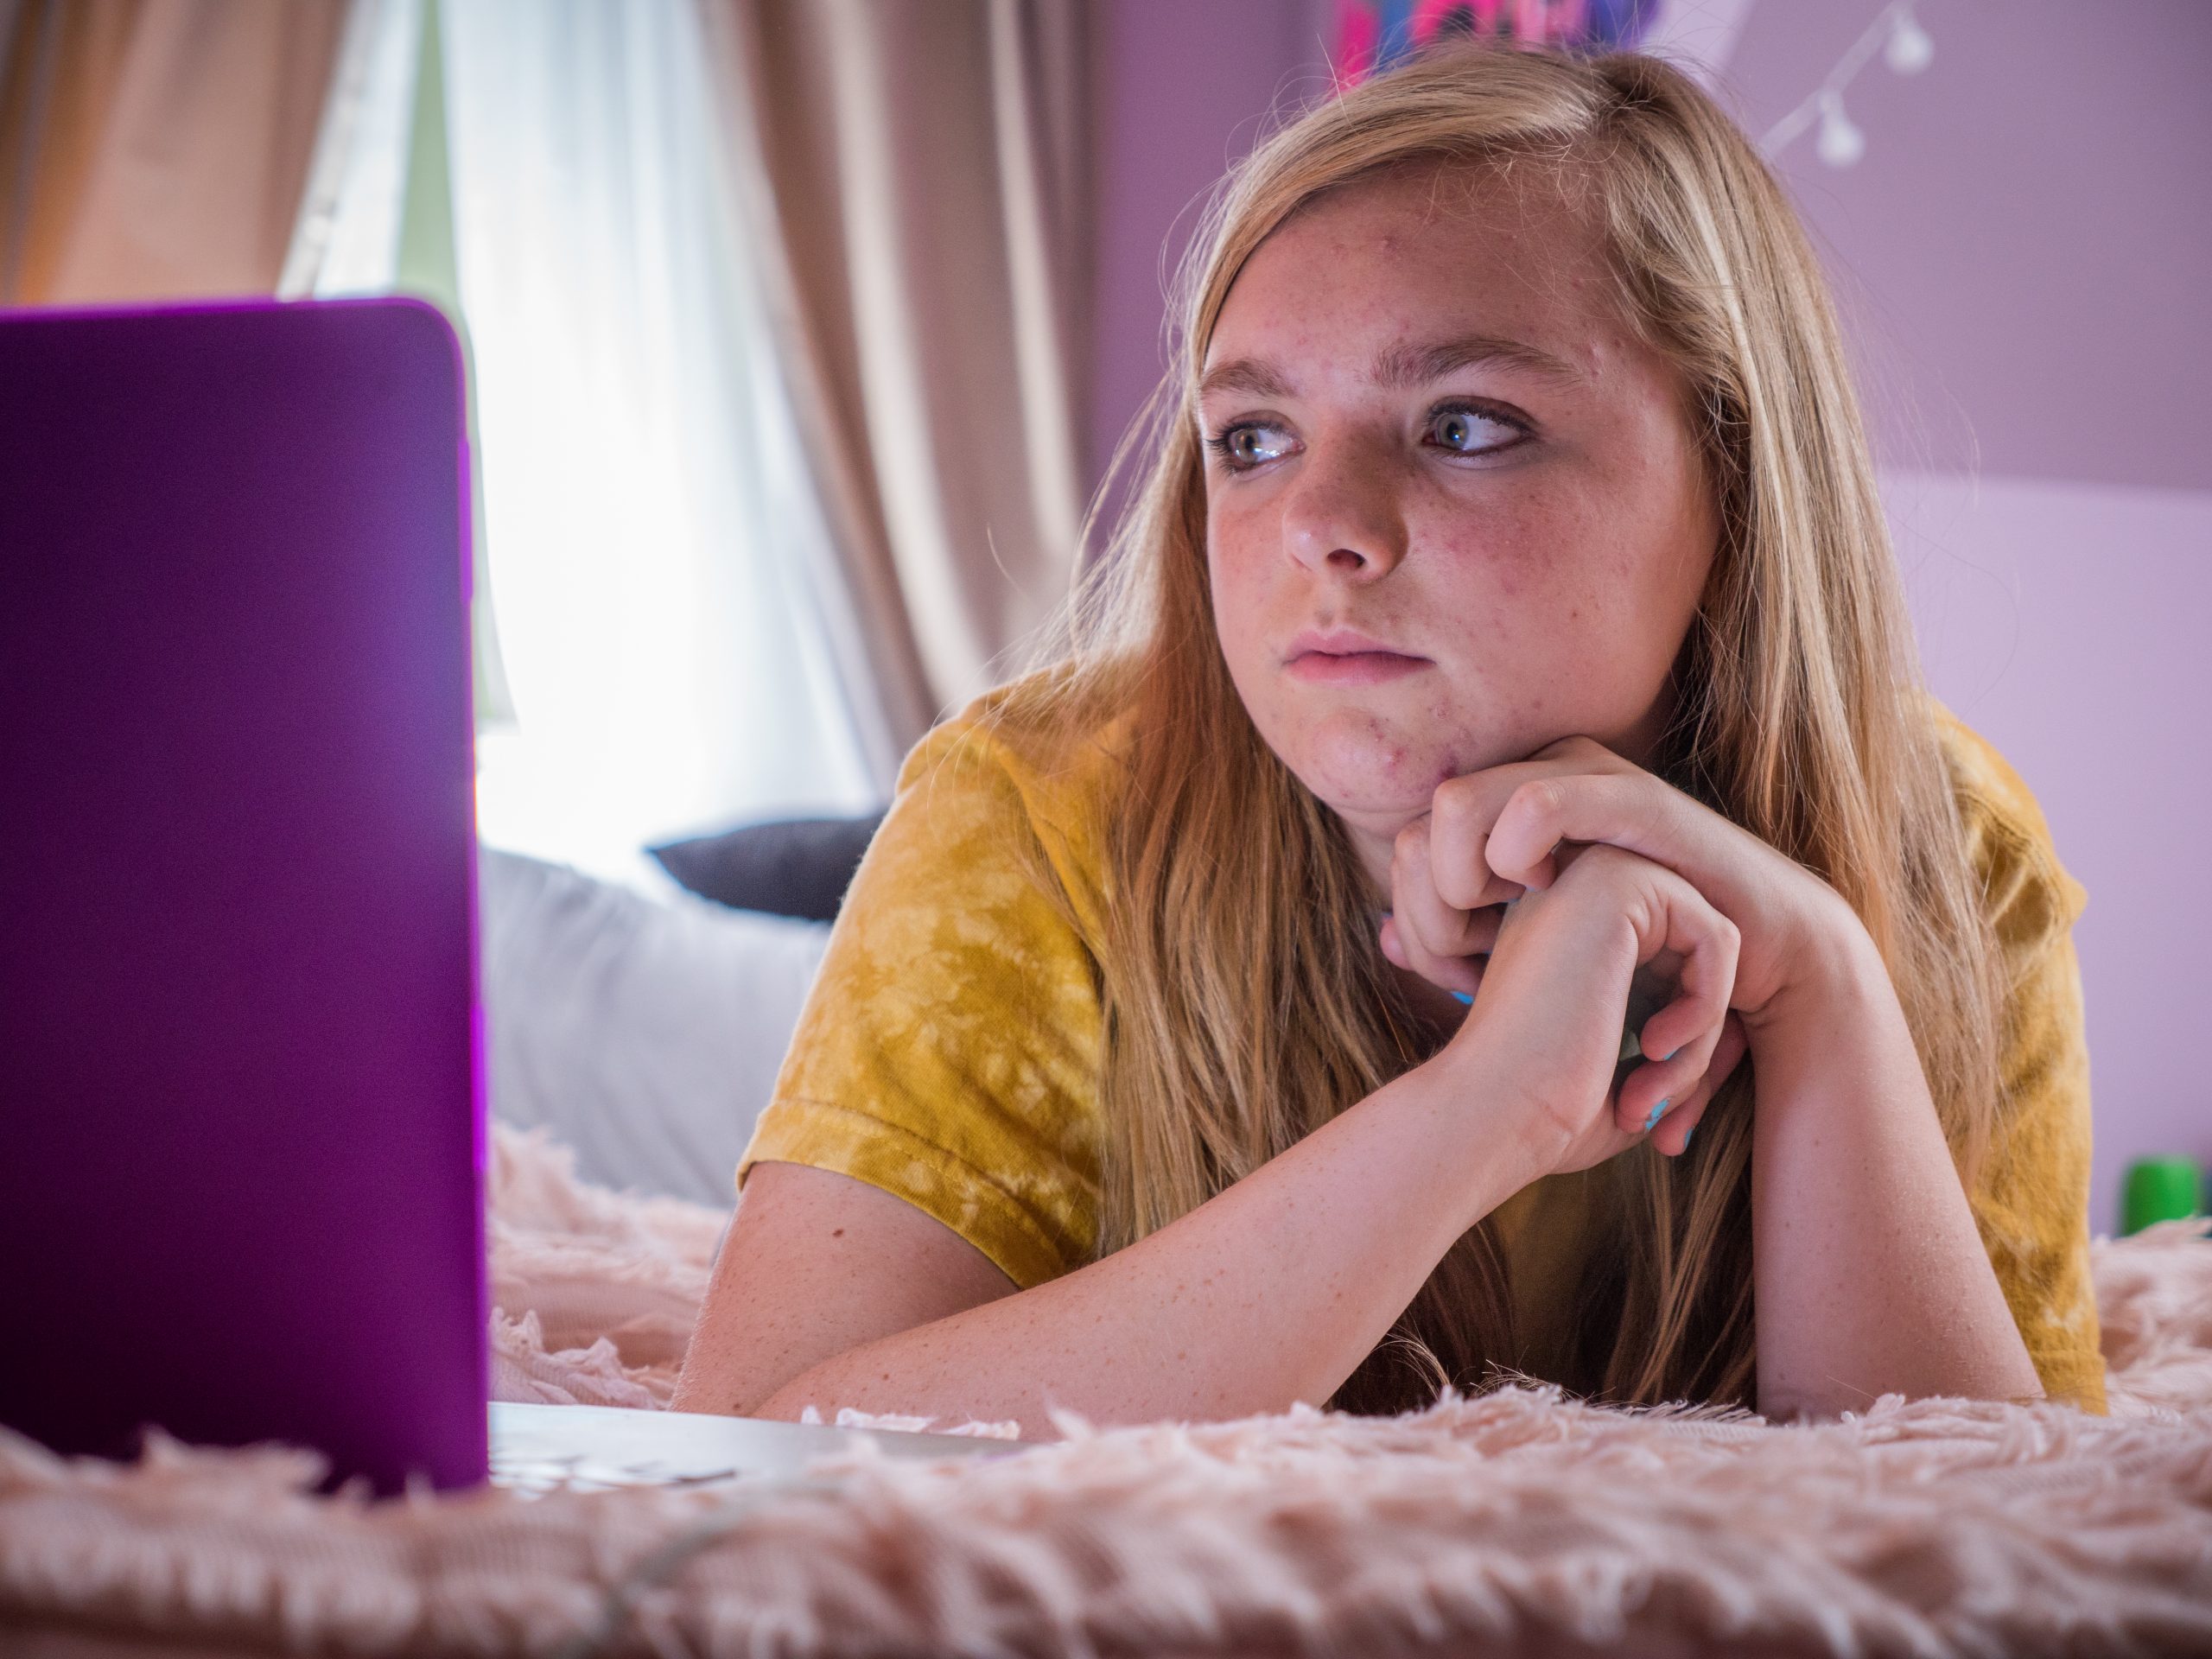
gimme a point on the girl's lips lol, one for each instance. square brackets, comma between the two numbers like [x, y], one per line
[1353, 667]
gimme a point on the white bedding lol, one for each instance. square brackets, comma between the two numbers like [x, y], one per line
[645, 1034]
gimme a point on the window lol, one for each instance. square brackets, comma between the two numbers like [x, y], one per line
[660, 573]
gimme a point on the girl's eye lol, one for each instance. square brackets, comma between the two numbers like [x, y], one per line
[1457, 429]
[1463, 430]
[1243, 447]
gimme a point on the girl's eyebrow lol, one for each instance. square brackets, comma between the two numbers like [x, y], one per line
[1249, 375]
[1397, 367]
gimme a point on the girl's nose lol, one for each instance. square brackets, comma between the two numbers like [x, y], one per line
[1341, 516]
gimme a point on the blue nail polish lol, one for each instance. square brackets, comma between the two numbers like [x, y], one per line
[1463, 998]
[1688, 1136]
[1670, 1054]
[1657, 1112]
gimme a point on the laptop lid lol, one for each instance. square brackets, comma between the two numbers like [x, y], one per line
[241, 1113]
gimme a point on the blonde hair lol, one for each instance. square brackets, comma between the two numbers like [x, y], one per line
[1247, 1001]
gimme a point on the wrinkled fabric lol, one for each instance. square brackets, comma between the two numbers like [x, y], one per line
[949, 1051]
[1520, 1521]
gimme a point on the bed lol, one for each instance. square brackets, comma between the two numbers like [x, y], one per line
[632, 1044]
[1518, 1521]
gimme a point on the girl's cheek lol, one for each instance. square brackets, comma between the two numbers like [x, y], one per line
[1230, 568]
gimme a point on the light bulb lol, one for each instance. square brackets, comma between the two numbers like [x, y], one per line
[1910, 50]
[1840, 143]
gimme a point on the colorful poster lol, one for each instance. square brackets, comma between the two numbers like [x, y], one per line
[1373, 35]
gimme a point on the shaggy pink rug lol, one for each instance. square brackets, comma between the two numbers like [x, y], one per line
[1518, 1522]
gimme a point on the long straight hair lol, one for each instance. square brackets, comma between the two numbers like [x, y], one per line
[1247, 1001]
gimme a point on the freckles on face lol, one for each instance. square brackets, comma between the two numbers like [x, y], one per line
[1517, 526]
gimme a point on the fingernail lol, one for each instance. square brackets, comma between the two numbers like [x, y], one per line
[1670, 1053]
[1688, 1136]
[1657, 1112]
[1465, 999]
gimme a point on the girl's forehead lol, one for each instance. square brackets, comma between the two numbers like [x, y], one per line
[1436, 201]
[1379, 266]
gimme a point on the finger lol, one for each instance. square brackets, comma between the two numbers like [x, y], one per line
[1462, 976]
[1479, 931]
[1485, 925]
[1708, 945]
[1436, 938]
[1631, 810]
[1466, 807]
[1392, 950]
[1459, 818]
[1587, 754]
[1681, 1037]
[1672, 1134]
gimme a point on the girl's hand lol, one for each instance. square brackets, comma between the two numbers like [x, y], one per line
[1494, 834]
[1543, 1036]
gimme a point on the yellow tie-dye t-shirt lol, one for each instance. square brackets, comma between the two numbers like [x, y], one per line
[949, 1051]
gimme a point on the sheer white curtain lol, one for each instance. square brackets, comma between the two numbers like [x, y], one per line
[668, 610]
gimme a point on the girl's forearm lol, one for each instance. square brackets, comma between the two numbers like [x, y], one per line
[1270, 1292]
[1870, 1277]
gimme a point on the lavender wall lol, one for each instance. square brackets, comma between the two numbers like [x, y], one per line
[2023, 257]
[1186, 89]
[2026, 245]
[2066, 623]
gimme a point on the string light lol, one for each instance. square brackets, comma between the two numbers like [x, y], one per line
[1840, 143]
[1910, 50]
[1905, 46]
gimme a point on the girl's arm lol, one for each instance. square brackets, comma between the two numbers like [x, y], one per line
[1870, 1277]
[1276, 1289]
[1269, 1292]
[1869, 1274]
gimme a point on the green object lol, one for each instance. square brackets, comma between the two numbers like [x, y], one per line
[2160, 1189]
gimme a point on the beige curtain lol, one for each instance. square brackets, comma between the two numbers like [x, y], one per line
[917, 174]
[156, 149]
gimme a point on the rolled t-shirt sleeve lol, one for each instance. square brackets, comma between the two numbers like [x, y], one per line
[949, 1052]
[2030, 1196]
[2031, 1201]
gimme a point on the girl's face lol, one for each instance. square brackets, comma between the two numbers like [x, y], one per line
[1453, 511]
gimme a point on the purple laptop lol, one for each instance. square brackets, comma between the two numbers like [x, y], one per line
[241, 1114]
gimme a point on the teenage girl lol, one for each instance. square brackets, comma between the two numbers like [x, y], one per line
[1507, 614]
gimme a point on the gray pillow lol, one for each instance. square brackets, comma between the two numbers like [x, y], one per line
[645, 1034]
[795, 867]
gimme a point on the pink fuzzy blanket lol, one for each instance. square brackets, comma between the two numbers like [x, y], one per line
[1517, 1522]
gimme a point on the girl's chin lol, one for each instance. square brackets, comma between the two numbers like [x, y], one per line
[1370, 775]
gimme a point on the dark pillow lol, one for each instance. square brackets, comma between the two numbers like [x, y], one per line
[796, 867]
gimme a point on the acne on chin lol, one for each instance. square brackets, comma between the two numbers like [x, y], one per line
[1369, 768]
[1359, 767]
